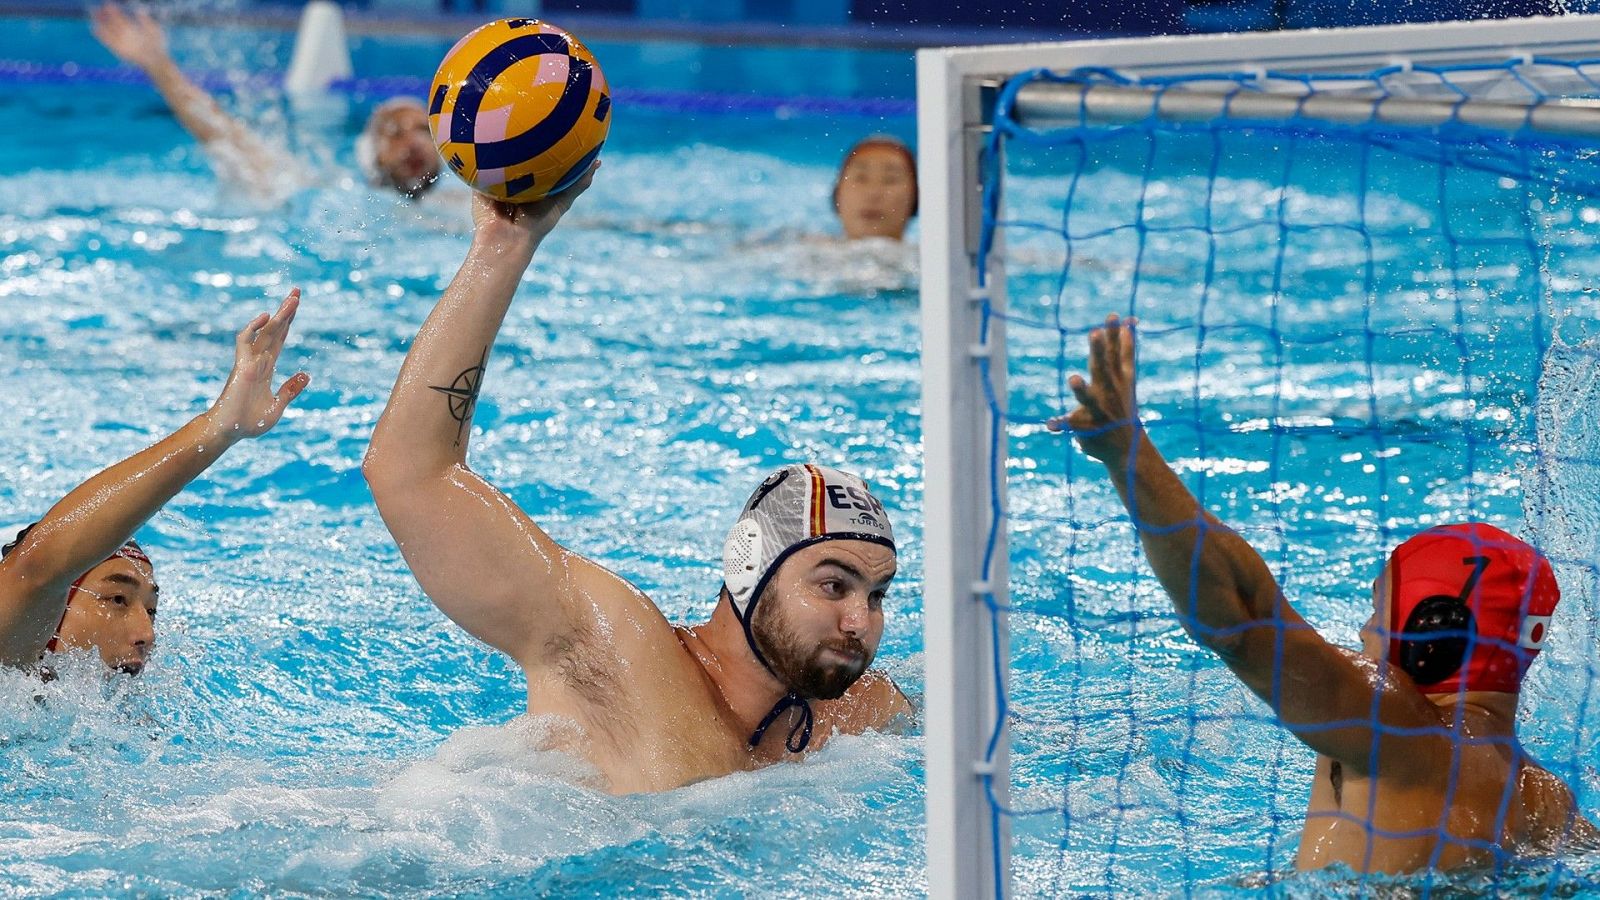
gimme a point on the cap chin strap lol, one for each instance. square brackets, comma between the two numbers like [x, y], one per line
[800, 735]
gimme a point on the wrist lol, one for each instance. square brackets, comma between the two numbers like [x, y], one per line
[1120, 446]
[503, 246]
[216, 431]
[159, 69]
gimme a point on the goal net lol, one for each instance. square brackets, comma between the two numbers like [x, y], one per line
[1362, 261]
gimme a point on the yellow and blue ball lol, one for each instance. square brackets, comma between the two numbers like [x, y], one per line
[519, 109]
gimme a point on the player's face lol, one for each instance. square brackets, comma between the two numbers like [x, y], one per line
[113, 613]
[406, 154]
[1372, 638]
[876, 191]
[821, 619]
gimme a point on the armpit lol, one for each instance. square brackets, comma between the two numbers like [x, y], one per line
[587, 670]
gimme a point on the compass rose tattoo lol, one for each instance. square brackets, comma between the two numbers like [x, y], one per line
[462, 394]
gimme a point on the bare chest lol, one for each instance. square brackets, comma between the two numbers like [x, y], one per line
[661, 731]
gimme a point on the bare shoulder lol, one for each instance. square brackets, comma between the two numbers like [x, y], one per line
[1552, 822]
[613, 629]
[872, 703]
[611, 610]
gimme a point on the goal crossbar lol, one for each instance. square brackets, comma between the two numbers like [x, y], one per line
[1045, 105]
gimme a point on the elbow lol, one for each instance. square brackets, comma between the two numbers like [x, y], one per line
[1221, 624]
[394, 473]
[1222, 636]
[1229, 646]
[27, 563]
[19, 572]
[1234, 635]
[381, 475]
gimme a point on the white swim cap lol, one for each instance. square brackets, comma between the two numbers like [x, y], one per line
[795, 507]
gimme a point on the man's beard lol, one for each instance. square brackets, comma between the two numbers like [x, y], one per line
[797, 664]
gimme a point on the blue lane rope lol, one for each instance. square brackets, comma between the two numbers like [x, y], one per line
[379, 88]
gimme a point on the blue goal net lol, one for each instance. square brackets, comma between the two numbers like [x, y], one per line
[1352, 328]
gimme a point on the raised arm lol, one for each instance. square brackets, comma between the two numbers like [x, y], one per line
[1226, 598]
[100, 515]
[238, 153]
[478, 556]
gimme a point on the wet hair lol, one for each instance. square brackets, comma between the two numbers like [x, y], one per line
[5, 550]
[879, 140]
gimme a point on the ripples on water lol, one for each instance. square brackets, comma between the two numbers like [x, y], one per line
[311, 725]
[1320, 397]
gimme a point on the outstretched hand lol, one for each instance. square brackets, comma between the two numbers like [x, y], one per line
[525, 223]
[1106, 421]
[133, 37]
[248, 407]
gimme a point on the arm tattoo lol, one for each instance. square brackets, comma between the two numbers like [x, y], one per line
[462, 394]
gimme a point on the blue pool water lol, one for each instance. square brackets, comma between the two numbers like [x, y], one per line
[1340, 346]
[312, 726]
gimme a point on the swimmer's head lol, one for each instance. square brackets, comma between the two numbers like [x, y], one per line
[875, 194]
[1467, 607]
[805, 569]
[396, 148]
[110, 609]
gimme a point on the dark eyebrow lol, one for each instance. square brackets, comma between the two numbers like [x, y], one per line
[850, 570]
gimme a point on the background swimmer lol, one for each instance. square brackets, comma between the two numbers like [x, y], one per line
[395, 149]
[657, 706]
[75, 579]
[875, 193]
[1458, 615]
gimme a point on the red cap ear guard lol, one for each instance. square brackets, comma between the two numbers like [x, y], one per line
[1470, 608]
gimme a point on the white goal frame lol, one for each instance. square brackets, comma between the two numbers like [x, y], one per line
[968, 845]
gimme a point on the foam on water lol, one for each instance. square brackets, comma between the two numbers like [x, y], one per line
[310, 724]
[485, 807]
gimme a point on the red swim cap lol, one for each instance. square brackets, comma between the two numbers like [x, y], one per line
[1470, 608]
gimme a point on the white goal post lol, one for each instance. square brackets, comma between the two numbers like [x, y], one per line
[966, 638]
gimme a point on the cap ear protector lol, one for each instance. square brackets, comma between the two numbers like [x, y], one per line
[741, 558]
[1430, 660]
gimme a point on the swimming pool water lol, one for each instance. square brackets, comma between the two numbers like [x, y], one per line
[1339, 347]
[312, 726]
